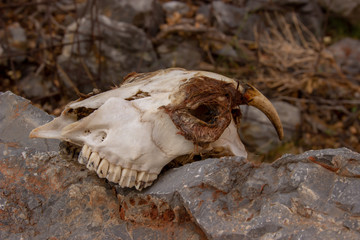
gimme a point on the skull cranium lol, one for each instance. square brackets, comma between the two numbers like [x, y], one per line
[130, 133]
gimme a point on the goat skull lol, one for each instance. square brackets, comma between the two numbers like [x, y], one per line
[130, 133]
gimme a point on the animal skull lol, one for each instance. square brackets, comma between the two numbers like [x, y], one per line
[130, 133]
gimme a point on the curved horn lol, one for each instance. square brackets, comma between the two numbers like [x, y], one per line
[254, 98]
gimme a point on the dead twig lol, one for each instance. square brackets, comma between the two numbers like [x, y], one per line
[68, 80]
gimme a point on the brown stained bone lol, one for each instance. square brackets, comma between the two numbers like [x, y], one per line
[205, 110]
[138, 95]
[81, 112]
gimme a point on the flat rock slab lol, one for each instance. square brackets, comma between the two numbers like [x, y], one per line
[297, 197]
[43, 196]
[17, 118]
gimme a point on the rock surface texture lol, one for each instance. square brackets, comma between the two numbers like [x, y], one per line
[43, 196]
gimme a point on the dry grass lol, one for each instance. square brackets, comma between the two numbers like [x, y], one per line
[294, 67]
[286, 62]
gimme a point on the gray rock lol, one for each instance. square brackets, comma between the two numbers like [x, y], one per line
[205, 11]
[179, 53]
[18, 34]
[145, 14]
[295, 197]
[243, 19]
[228, 16]
[16, 42]
[348, 9]
[43, 196]
[17, 118]
[34, 85]
[235, 20]
[231, 53]
[121, 48]
[257, 132]
[227, 51]
[347, 55]
[175, 6]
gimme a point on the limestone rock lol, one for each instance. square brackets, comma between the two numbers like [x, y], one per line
[17, 118]
[307, 195]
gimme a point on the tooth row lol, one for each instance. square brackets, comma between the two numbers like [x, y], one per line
[114, 173]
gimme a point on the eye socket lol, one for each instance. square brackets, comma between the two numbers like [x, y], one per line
[206, 113]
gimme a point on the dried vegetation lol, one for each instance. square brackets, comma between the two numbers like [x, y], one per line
[287, 62]
[295, 67]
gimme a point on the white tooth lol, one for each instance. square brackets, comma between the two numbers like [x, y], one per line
[144, 179]
[84, 154]
[87, 151]
[128, 178]
[114, 173]
[142, 176]
[141, 180]
[144, 185]
[103, 168]
[93, 161]
[139, 185]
